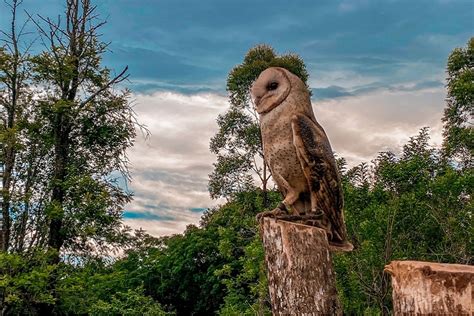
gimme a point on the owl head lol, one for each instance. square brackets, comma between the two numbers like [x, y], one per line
[272, 87]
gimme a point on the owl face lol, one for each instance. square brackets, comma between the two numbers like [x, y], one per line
[270, 89]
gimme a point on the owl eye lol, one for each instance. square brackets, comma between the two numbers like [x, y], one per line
[272, 86]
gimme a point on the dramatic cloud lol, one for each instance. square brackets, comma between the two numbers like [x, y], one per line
[360, 127]
[170, 169]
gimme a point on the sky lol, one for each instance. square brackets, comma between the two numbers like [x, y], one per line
[377, 72]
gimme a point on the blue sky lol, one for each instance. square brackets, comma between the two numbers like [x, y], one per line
[193, 44]
[376, 69]
[189, 46]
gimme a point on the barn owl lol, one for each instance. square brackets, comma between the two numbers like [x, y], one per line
[298, 153]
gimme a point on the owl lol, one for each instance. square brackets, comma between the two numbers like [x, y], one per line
[299, 155]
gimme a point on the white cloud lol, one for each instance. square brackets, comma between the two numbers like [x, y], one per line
[343, 77]
[180, 127]
[170, 169]
[360, 127]
[161, 228]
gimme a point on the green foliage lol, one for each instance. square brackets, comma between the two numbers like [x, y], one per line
[130, 303]
[92, 288]
[459, 113]
[63, 150]
[231, 173]
[412, 207]
[215, 267]
[24, 282]
[239, 242]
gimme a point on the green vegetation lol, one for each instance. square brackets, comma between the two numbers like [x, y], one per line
[458, 130]
[412, 207]
[60, 198]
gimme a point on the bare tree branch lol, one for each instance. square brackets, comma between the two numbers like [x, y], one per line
[117, 79]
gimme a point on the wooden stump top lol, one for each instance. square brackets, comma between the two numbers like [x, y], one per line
[431, 288]
[408, 265]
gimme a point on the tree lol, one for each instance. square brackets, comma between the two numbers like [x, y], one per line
[238, 144]
[14, 95]
[64, 131]
[86, 126]
[459, 113]
[62, 146]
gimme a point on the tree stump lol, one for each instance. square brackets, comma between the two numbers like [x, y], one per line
[301, 276]
[427, 288]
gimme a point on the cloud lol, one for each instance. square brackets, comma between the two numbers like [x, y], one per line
[155, 69]
[334, 92]
[352, 5]
[150, 86]
[181, 127]
[162, 228]
[330, 92]
[170, 169]
[360, 127]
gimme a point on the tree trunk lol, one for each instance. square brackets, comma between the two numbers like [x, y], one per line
[301, 276]
[422, 288]
[8, 163]
[13, 93]
[56, 236]
[5, 205]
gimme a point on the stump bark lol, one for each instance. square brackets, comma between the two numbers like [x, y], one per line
[301, 276]
[427, 288]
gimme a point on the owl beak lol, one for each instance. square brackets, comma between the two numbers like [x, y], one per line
[257, 100]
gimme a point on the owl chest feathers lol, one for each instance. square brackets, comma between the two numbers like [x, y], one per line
[279, 149]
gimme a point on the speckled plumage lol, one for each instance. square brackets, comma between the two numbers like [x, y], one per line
[298, 152]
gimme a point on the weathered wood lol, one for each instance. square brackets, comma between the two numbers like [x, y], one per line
[301, 276]
[427, 288]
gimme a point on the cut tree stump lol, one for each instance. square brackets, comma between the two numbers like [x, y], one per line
[301, 276]
[427, 288]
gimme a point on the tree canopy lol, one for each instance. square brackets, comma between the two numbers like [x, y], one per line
[459, 113]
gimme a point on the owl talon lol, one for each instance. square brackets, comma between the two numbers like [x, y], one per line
[275, 213]
[318, 218]
[317, 213]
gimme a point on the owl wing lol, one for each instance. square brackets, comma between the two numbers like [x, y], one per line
[320, 170]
